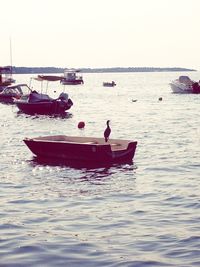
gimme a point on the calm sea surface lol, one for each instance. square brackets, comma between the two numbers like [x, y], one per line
[145, 214]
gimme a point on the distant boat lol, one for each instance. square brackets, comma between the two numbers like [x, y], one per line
[43, 104]
[11, 93]
[71, 78]
[5, 77]
[184, 85]
[109, 84]
[82, 149]
[49, 78]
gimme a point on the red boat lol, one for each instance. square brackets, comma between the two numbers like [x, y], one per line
[43, 104]
[82, 149]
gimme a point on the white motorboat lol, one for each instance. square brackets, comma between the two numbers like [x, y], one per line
[71, 78]
[184, 85]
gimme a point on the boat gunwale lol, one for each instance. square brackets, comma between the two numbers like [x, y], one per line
[114, 144]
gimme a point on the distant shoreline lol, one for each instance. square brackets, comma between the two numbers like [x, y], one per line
[32, 70]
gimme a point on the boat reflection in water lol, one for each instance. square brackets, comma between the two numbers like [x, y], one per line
[64, 115]
[92, 172]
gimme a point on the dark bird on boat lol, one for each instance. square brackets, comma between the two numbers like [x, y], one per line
[107, 131]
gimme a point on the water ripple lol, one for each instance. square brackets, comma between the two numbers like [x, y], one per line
[140, 214]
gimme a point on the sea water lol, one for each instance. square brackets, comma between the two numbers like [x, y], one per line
[141, 214]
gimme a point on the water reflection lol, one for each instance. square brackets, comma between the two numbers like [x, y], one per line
[99, 174]
[87, 171]
[77, 164]
[65, 115]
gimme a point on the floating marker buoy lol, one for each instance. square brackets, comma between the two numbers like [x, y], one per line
[81, 124]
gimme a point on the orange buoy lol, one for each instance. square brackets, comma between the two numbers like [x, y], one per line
[81, 124]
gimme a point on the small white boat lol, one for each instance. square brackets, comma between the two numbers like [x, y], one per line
[71, 78]
[184, 85]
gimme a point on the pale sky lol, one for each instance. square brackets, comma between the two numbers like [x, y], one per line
[100, 33]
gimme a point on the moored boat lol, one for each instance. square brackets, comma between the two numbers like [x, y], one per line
[71, 78]
[109, 84]
[5, 77]
[11, 93]
[43, 104]
[82, 149]
[184, 85]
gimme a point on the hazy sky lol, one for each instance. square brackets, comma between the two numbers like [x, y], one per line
[101, 33]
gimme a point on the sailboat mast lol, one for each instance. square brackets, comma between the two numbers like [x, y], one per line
[10, 56]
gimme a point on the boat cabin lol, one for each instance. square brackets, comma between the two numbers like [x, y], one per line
[71, 77]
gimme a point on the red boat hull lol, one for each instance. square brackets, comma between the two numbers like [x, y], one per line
[89, 151]
[44, 108]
